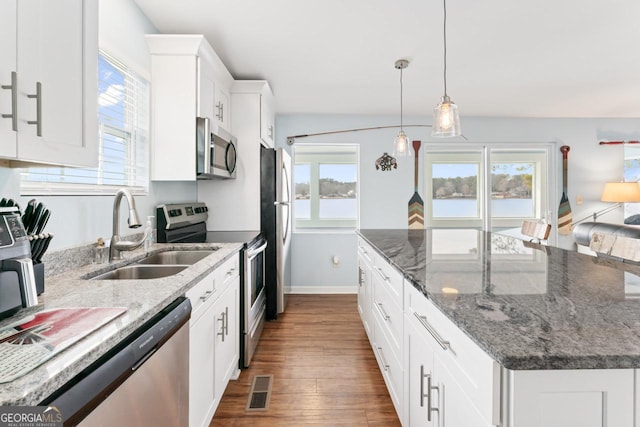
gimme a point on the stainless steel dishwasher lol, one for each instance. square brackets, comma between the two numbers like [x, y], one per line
[143, 381]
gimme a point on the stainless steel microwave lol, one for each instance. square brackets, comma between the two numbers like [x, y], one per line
[216, 154]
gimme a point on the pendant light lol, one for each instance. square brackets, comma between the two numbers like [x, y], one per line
[446, 121]
[401, 146]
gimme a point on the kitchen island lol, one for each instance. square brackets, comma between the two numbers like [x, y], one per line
[142, 299]
[556, 325]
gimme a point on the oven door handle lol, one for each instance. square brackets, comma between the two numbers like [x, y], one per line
[251, 253]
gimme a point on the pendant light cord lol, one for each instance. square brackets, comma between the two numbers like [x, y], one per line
[445, 45]
[401, 130]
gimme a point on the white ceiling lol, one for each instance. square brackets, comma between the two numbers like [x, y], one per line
[535, 58]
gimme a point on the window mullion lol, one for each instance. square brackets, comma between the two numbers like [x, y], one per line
[314, 192]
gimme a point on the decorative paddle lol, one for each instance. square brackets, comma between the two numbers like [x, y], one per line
[416, 205]
[564, 210]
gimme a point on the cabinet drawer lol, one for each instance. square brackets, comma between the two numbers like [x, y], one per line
[203, 292]
[228, 271]
[473, 369]
[365, 252]
[386, 309]
[389, 363]
[390, 277]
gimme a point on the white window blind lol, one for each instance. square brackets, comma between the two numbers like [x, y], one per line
[123, 120]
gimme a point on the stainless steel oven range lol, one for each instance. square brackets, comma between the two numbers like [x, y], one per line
[186, 223]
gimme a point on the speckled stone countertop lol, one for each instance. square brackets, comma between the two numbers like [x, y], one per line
[142, 298]
[528, 306]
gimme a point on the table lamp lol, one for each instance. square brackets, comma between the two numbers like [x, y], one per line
[618, 193]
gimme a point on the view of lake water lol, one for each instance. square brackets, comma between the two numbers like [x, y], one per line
[329, 208]
[452, 208]
[503, 208]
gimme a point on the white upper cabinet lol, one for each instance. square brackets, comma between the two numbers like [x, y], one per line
[258, 94]
[223, 106]
[267, 117]
[8, 94]
[186, 78]
[52, 47]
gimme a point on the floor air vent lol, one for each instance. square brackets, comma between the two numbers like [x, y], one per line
[260, 393]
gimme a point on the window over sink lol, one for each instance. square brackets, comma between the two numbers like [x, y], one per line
[123, 118]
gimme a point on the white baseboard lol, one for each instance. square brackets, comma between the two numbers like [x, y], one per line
[324, 289]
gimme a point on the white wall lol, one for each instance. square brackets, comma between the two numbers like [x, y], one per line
[77, 220]
[384, 195]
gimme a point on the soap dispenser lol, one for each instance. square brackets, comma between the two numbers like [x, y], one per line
[150, 233]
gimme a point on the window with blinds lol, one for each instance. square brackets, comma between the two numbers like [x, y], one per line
[123, 120]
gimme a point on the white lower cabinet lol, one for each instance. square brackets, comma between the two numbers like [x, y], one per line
[439, 377]
[227, 339]
[201, 352]
[571, 398]
[364, 285]
[449, 381]
[385, 317]
[213, 340]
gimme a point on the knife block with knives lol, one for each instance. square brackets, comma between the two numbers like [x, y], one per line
[34, 219]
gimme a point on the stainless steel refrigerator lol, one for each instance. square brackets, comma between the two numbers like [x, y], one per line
[275, 195]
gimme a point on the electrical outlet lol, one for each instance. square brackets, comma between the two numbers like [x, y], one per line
[579, 200]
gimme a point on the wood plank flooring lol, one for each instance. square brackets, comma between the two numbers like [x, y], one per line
[325, 372]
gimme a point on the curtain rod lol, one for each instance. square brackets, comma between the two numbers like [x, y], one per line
[292, 139]
[618, 142]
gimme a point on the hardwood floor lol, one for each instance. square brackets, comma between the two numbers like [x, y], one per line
[325, 372]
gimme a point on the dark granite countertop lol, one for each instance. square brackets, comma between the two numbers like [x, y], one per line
[528, 306]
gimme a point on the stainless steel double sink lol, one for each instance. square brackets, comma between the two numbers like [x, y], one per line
[156, 266]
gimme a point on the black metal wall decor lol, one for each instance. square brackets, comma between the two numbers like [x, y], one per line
[386, 162]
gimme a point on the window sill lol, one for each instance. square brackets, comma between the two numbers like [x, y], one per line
[324, 231]
[33, 189]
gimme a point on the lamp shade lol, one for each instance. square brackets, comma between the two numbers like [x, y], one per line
[401, 147]
[446, 121]
[621, 192]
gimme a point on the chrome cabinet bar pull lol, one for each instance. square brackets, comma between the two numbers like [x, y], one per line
[38, 98]
[220, 108]
[221, 333]
[385, 278]
[441, 342]
[226, 321]
[365, 253]
[385, 316]
[422, 377]
[360, 276]
[430, 407]
[271, 131]
[206, 295]
[14, 101]
[385, 365]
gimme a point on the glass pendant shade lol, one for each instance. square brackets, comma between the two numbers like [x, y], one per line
[446, 121]
[401, 146]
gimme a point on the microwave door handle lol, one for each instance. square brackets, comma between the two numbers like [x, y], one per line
[208, 144]
[253, 252]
